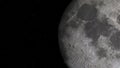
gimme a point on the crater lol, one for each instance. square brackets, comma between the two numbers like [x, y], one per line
[101, 53]
[115, 41]
[94, 29]
[87, 12]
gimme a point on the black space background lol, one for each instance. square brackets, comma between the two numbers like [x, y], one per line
[41, 21]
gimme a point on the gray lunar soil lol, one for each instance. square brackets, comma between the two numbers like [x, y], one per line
[89, 34]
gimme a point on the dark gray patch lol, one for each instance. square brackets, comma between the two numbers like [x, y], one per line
[90, 30]
[115, 41]
[118, 19]
[117, 56]
[101, 53]
[87, 12]
[96, 28]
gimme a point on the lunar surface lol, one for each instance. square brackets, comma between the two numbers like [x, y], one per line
[89, 34]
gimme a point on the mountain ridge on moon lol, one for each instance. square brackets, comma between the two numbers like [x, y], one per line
[78, 42]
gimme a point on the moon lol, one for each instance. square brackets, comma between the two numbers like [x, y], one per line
[89, 34]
